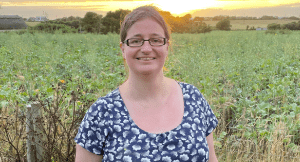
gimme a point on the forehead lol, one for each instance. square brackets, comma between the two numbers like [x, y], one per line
[145, 28]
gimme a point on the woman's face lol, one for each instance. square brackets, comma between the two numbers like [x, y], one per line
[145, 59]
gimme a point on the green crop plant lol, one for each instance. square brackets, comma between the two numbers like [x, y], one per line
[250, 79]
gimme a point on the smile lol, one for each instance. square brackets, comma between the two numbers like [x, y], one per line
[145, 59]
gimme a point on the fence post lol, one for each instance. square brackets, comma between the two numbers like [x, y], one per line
[34, 133]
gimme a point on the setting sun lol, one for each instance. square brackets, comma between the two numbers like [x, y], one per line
[179, 7]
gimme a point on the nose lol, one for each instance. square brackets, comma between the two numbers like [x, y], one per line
[146, 47]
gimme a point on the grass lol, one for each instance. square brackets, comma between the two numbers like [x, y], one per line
[251, 80]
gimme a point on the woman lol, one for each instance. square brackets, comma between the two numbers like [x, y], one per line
[149, 117]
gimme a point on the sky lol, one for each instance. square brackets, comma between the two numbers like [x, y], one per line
[206, 8]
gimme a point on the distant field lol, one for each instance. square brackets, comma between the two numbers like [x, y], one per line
[32, 23]
[242, 24]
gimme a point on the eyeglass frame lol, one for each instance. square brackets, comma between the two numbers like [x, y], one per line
[143, 40]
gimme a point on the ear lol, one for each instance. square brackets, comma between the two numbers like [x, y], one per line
[122, 49]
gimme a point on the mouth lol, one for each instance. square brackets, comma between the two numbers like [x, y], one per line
[146, 59]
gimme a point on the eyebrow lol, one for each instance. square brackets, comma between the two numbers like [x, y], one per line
[140, 35]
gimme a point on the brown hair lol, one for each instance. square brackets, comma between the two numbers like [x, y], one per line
[142, 13]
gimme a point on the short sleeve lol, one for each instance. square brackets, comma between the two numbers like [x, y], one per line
[94, 128]
[210, 121]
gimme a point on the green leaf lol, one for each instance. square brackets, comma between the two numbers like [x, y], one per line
[222, 135]
[4, 103]
[49, 90]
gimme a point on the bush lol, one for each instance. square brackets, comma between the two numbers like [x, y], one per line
[292, 26]
[274, 26]
[206, 29]
[51, 28]
[224, 25]
[200, 28]
[73, 24]
[252, 28]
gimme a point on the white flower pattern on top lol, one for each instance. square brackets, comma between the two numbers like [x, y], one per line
[107, 129]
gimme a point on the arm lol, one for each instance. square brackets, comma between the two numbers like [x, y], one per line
[84, 155]
[212, 154]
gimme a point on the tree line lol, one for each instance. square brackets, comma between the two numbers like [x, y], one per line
[110, 23]
[215, 18]
[289, 26]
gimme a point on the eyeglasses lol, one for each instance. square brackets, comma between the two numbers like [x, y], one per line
[137, 42]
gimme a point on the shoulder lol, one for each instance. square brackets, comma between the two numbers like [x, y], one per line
[110, 98]
[191, 94]
[189, 89]
[107, 103]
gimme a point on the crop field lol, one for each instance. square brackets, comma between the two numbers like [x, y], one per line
[242, 24]
[251, 80]
[32, 23]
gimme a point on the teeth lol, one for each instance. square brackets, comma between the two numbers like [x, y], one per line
[146, 59]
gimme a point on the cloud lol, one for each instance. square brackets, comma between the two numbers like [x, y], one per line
[86, 8]
[291, 5]
[53, 13]
[286, 10]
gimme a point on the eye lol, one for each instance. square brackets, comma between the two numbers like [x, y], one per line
[157, 40]
[135, 41]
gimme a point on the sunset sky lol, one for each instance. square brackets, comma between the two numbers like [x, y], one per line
[57, 8]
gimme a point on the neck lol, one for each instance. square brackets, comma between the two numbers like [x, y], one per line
[146, 87]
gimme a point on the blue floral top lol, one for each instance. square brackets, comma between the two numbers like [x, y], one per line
[107, 129]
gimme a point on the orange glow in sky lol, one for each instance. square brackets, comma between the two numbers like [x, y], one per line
[178, 8]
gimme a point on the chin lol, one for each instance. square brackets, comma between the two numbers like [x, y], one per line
[149, 71]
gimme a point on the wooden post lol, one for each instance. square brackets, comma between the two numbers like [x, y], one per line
[34, 133]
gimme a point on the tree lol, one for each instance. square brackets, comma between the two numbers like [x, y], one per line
[265, 17]
[31, 19]
[111, 22]
[200, 27]
[274, 26]
[221, 17]
[63, 19]
[292, 26]
[78, 18]
[91, 22]
[294, 18]
[224, 25]
[71, 18]
[198, 19]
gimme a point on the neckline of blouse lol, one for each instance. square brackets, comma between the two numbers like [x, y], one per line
[156, 134]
